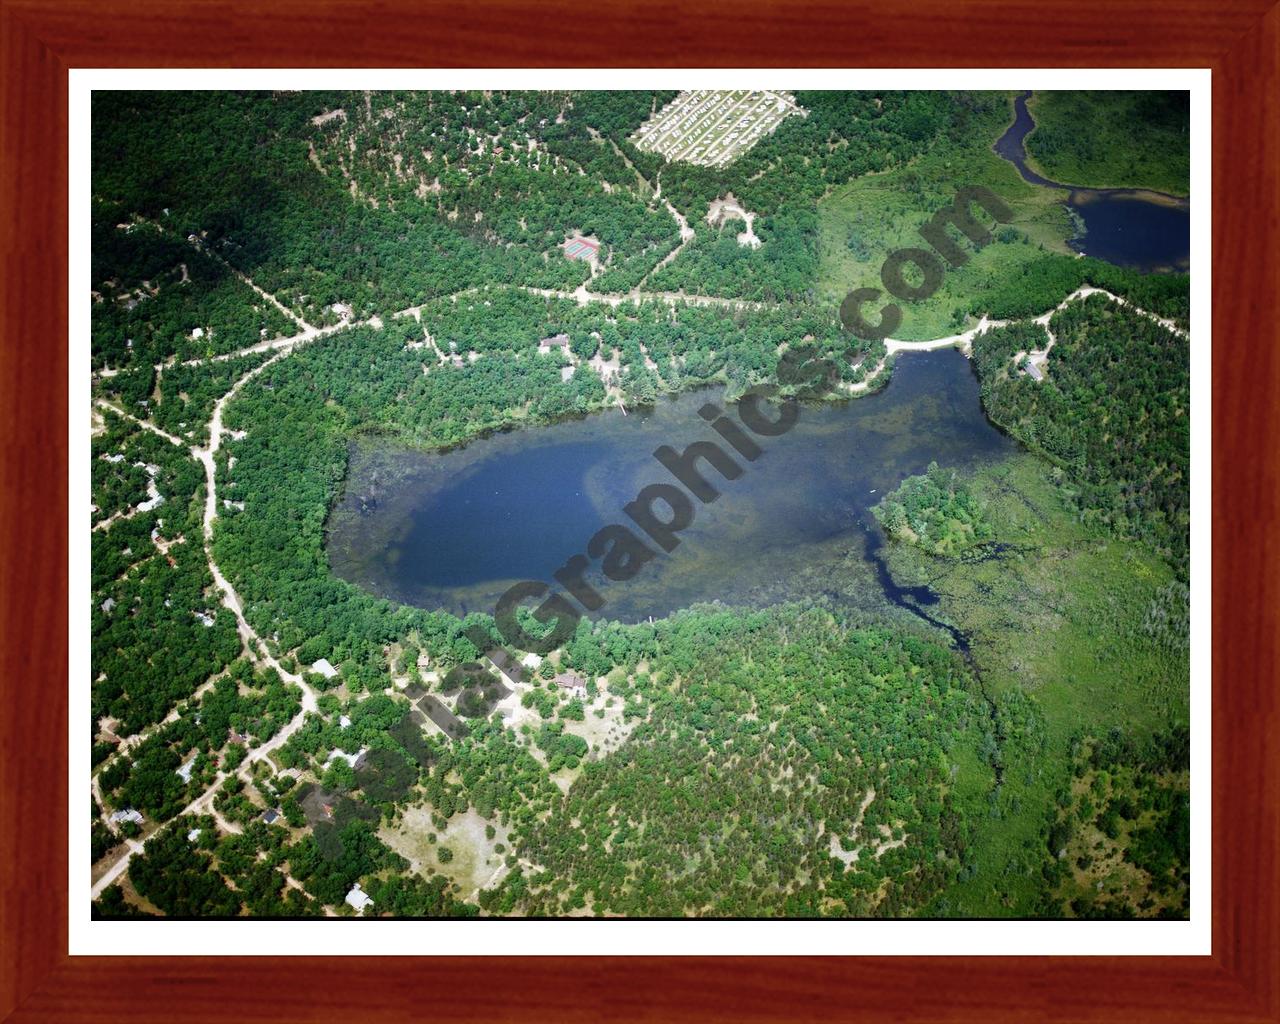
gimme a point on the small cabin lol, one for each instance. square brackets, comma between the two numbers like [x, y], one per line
[558, 341]
[572, 683]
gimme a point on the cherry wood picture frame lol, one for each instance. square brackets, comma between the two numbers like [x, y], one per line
[41, 39]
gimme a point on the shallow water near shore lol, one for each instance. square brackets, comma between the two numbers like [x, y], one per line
[453, 530]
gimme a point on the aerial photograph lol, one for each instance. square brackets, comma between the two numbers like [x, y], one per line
[677, 504]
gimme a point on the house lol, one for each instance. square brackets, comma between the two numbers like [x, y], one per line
[185, 770]
[344, 722]
[359, 899]
[572, 683]
[193, 835]
[271, 815]
[108, 605]
[355, 760]
[128, 814]
[324, 668]
[1033, 371]
[560, 341]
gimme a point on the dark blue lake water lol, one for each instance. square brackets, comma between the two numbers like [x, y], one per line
[1150, 231]
[453, 530]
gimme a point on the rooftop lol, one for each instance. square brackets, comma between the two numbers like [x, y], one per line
[324, 668]
[571, 681]
[359, 899]
[354, 760]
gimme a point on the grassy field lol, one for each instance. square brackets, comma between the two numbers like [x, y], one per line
[1112, 139]
[865, 220]
[1057, 616]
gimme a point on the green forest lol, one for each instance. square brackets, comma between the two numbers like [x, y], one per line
[1114, 413]
[936, 512]
[1134, 139]
[277, 277]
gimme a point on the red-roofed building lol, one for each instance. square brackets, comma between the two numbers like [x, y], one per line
[572, 683]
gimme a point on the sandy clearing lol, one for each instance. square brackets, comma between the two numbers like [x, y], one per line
[728, 208]
[838, 851]
[603, 734]
[476, 864]
[328, 116]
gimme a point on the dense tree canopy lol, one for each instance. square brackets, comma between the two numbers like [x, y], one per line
[806, 759]
[1113, 410]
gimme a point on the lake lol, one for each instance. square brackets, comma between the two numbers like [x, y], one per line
[1150, 231]
[452, 530]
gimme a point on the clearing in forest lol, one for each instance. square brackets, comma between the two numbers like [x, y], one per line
[714, 127]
